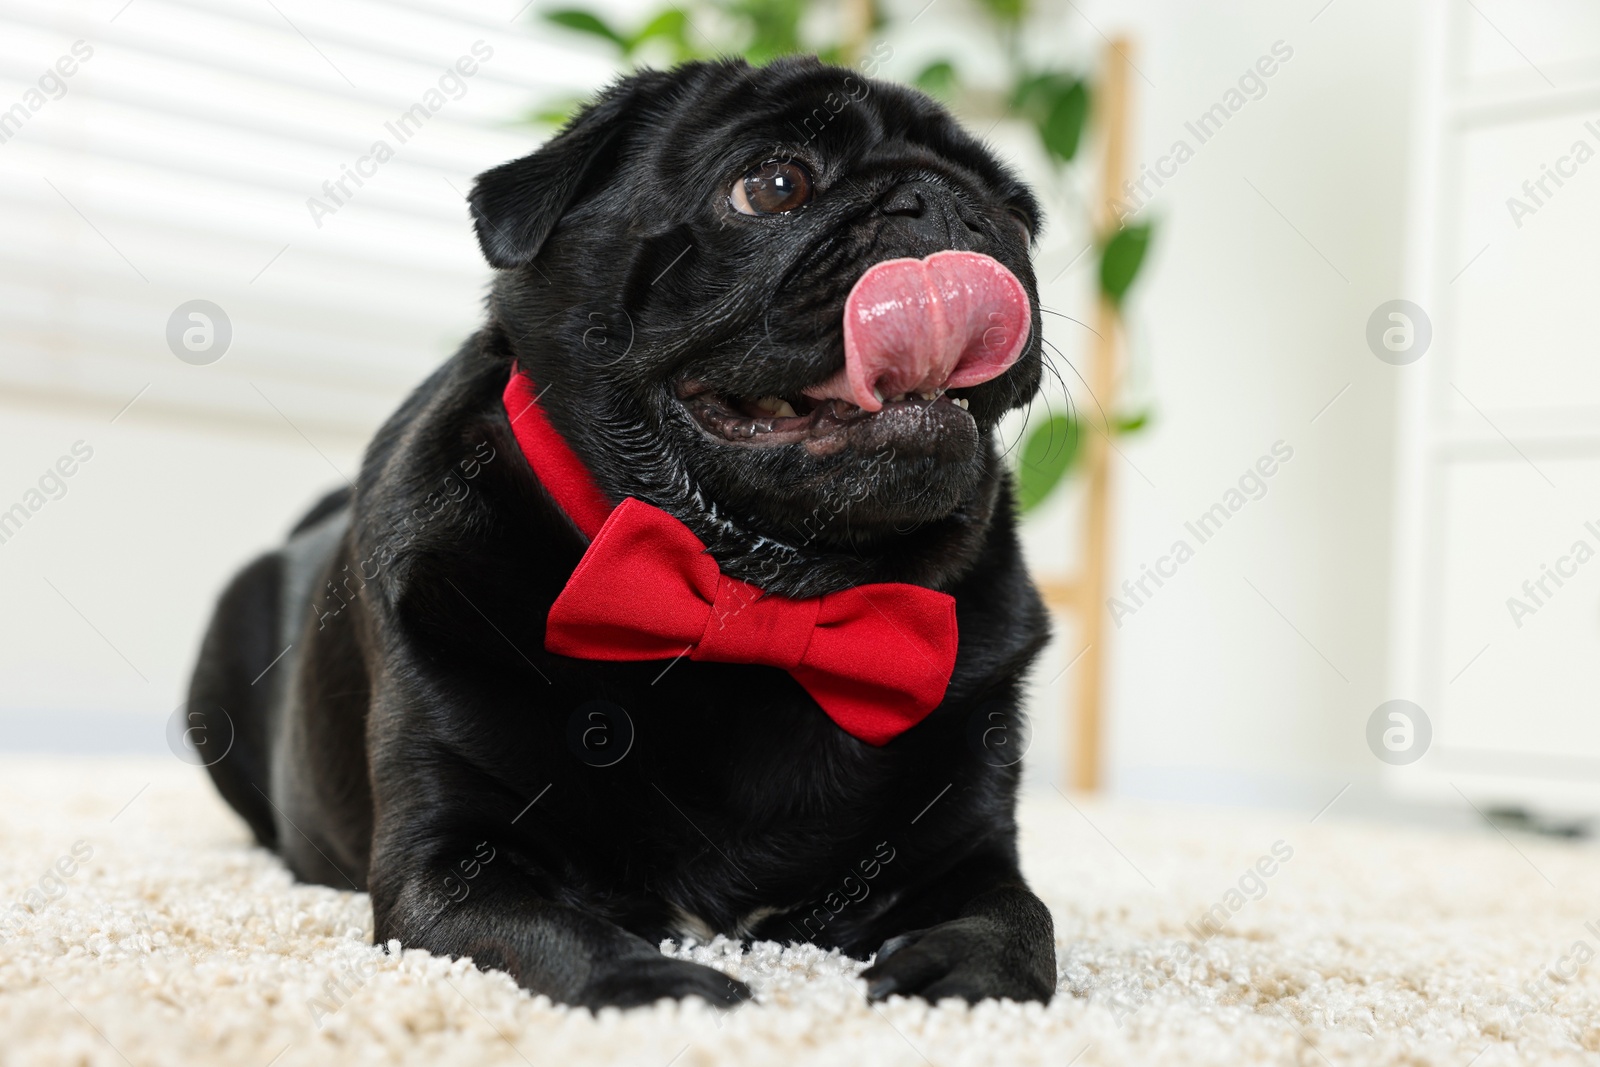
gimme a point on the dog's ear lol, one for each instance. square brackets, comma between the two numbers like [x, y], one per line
[516, 205]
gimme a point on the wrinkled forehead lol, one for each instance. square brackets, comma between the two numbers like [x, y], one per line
[828, 117]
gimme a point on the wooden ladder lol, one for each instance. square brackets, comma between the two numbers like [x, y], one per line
[1083, 739]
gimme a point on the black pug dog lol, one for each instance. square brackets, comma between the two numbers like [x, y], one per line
[761, 321]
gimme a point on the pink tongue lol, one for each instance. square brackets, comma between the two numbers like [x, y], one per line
[923, 325]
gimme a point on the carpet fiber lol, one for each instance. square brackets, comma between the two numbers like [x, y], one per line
[150, 932]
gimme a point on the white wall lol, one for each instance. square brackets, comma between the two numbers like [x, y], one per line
[1246, 328]
[107, 587]
[186, 156]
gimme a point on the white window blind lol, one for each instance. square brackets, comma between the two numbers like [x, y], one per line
[301, 165]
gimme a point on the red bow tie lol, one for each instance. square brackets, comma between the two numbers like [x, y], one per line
[877, 658]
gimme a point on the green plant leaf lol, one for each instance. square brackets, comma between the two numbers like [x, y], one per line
[1132, 423]
[1007, 10]
[773, 27]
[1058, 106]
[1047, 455]
[1063, 123]
[1033, 94]
[1121, 259]
[555, 112]
[587, 22]
[669, 25]
[937, 79]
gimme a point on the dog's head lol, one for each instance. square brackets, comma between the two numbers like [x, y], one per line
[787, 304]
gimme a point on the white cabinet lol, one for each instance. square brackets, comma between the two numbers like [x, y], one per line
[1521, 318]
[1496, 614]
[1518, 669]
[1497, 40]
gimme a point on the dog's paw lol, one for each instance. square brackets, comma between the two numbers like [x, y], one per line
[630, 983]
[971, 958]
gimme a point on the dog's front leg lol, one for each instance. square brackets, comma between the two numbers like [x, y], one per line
[493, 916]
[999, 939]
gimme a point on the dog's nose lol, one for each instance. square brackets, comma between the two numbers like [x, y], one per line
[927, 214]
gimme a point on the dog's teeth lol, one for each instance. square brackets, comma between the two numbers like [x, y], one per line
[930, 395]
[776, 406]
[898, 399]
[961, 402]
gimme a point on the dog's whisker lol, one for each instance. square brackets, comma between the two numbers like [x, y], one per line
[1104, 418]
[1069, 318]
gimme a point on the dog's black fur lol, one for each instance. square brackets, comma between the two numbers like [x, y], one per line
[418, 742]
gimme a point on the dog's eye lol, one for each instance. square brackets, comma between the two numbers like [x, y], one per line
[1021, 222]
[775, 187]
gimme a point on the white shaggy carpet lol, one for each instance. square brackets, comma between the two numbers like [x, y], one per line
[162, 937]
